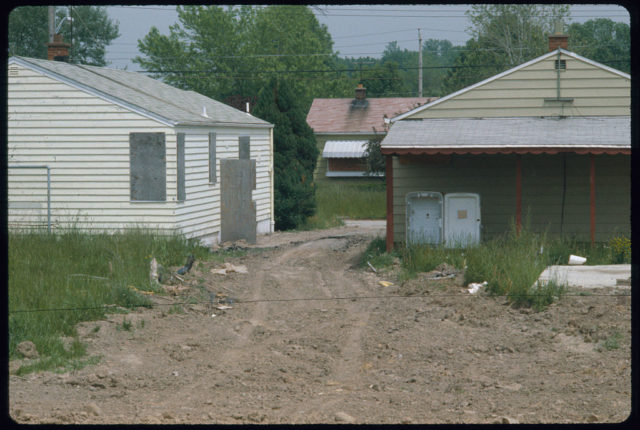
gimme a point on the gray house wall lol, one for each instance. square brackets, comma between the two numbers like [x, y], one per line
[493, 177]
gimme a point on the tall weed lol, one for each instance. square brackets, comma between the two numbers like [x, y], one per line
[57, 281]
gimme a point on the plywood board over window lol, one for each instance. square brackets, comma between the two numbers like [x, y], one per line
[148, 166]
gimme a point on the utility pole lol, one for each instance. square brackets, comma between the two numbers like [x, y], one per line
[419, 63]
[52, 22]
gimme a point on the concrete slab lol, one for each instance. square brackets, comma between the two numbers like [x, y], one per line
[589, 276]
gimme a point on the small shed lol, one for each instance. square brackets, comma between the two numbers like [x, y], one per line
[107, 150]
[547, 142]
[344, 126]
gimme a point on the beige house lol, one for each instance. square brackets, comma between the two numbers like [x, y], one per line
[108, 150]
[547, 142]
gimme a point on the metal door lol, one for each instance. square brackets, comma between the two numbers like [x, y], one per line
[461, 219]
[237, 209]
[424, 217]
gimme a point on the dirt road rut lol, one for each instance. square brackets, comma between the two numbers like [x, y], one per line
[297, 345]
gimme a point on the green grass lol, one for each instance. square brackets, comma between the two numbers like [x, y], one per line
[357, 199]
[512, 263]
[57, 281]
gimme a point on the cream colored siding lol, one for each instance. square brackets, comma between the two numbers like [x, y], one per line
[494, 177]
[199, 215]
[85, 142]
[595, 92]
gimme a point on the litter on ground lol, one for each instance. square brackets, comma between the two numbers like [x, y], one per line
[475, 287]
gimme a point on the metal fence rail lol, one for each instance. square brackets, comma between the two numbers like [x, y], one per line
[48, 188]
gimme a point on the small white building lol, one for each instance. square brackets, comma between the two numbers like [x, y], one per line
[121, 150]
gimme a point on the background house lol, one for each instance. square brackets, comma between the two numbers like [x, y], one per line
[548, 141]
[122, 150]
[343, 126]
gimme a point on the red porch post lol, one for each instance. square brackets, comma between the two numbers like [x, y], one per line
[389, 181]
[592, 187]
[518, 193]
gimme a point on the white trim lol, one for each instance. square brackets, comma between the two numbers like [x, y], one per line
[505, 73]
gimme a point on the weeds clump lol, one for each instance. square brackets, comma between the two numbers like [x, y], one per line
[376, 254]
[57, 281]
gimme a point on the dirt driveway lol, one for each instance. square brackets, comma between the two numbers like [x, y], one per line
[297, 346]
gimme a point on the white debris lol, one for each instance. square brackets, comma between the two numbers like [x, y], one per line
[474, 287]
[576, 260]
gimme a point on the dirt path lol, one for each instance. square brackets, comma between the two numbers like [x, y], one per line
[428, 353]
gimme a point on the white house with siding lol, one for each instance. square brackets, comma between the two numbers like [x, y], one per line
[547, 142]
[122, 150]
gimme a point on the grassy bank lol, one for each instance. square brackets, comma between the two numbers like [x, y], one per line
[355, 199]
[56, 281]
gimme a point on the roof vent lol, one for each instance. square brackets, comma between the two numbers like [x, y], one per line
[14, 70]
[561, 64]
[204, 112]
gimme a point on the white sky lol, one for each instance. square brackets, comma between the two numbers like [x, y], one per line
[357, 30]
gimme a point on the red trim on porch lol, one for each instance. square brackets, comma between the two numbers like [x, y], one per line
[389, 179]
[518, 193]
[539, 150]
[592, 189]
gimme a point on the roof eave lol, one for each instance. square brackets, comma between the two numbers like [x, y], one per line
[610, 150]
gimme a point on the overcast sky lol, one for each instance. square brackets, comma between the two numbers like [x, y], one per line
[356, 30]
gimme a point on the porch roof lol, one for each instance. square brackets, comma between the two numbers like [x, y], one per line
[535, 135]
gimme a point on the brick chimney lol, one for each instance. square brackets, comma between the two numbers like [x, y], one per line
[558, 39]
[58, 50]
[361, 92]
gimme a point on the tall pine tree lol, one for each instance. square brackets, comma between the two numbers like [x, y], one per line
[295, 154]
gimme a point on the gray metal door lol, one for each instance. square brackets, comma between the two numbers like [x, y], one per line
[461, 219]
[424, 217]
[237, 209]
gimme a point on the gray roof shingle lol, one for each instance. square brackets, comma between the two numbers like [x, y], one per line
[515, 132]
[148, 95]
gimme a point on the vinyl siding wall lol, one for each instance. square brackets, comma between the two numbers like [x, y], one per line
[596, 92]
[493, 177]
[199, 214]
[85, 142]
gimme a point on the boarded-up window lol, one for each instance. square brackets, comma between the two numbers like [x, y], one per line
[245, 148]
[182, 194]
[212, 158]
[148, 166]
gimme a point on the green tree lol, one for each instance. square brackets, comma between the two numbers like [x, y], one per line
[436, 56]
[295, 154]
[89, 32]
[604, 41]
[229, 53]
[375, 161]
[504, 36]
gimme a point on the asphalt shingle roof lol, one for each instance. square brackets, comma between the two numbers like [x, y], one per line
[345, 115]
[516, 132]
[149, 95]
